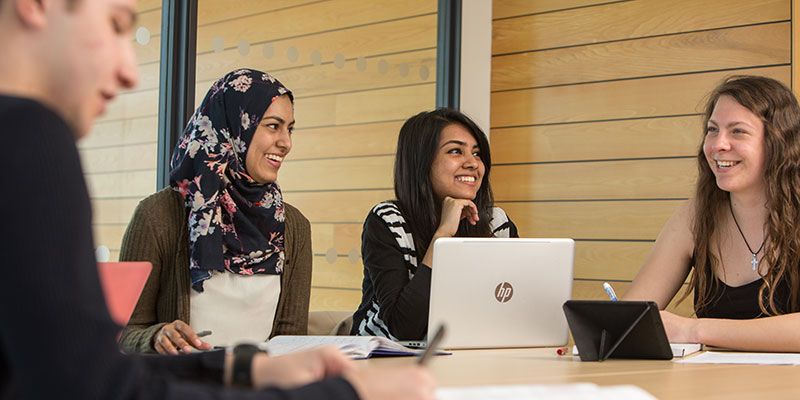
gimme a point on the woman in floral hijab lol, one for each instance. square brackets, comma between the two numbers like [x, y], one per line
[243, 269]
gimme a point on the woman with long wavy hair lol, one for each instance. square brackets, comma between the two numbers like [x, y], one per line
[740, 235]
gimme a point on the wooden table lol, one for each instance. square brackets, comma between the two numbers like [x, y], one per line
[663, 379]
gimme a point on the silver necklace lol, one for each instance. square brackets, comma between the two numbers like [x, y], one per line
[754, 260]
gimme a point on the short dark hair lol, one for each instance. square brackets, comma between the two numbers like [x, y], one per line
[417, 144]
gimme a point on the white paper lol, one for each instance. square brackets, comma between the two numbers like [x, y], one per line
[575, 391]
[733, 357]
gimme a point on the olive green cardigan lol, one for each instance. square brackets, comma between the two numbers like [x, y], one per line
[158, 233]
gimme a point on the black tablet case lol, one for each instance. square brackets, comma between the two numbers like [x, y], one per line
[617, 329]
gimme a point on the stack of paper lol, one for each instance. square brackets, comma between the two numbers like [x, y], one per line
[573, 391]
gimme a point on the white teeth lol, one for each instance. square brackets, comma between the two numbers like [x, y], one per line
[274, 157]
[465, 178]
[726, 164]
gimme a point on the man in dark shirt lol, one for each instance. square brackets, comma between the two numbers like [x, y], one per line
[61, 62]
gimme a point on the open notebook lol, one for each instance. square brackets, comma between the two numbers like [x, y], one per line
[356, 347]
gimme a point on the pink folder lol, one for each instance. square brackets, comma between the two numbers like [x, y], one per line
[122, 284]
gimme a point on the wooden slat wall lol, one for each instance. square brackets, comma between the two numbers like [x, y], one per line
[796, 47]
[595, 114]
[347, 115]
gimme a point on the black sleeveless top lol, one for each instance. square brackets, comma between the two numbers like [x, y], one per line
[741, 302]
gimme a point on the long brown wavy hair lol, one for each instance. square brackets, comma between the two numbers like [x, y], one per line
[778, 109]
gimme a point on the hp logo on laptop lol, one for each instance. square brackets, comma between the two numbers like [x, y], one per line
[503, 292]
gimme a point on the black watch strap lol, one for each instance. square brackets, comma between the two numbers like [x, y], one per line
[242, 364]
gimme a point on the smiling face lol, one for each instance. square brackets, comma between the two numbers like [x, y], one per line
[734, 147]
[271, 142]
[457, 169]
[90, 58]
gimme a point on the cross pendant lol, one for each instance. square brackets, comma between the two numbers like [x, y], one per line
[754, 262]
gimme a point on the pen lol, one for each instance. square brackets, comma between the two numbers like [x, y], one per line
[610, 291]
[562, 351]
[432, 345]
[203, 333]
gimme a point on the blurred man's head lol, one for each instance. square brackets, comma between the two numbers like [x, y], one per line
[73, 55]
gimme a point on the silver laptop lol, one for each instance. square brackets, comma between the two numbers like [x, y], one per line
[493, 292]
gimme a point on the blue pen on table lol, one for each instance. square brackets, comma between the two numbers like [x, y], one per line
[611, 295]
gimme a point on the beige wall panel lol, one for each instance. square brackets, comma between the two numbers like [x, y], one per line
[220, 11]
[343, 273]
[400, 36]
[619, 261]
[749, 46]
[214, 11]
[113, 211]
[379, 105]
[513, 8]
[383, 38]
[325, 299]
[630, 20]
[640, 179]
[337, 174]
[109, 235]
[638, 138]
[385, 105]
[151, 20]
[345, 141]
[344, 238]
[329, 207]
[115, 159]
[121, 184]
[132, 105]
[122, 132]
[327, 78]
[636, 98]
[618, 220]
[364, 107]
[149, 53]
[146, 5]
[796, 47]
[314, 18]
[593, 290]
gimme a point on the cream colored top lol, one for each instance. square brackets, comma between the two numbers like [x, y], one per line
[236, 308]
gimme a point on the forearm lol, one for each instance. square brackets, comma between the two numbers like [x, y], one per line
[139, 338]
[774, 334]
[407, 314]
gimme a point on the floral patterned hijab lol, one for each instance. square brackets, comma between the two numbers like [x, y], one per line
[235, 223]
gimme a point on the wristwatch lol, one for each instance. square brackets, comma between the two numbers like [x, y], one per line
[242, 364]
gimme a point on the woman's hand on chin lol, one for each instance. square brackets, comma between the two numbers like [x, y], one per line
[453, 211]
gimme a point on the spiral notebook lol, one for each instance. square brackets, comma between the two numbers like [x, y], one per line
[356, 347]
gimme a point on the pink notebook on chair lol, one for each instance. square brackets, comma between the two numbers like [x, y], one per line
[122, 284]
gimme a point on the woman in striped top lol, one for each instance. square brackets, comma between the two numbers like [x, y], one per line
[441, 184]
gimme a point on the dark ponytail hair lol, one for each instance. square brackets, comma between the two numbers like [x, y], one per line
[416, 148]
